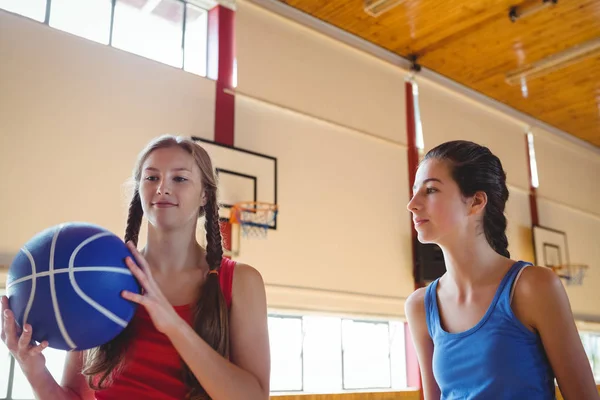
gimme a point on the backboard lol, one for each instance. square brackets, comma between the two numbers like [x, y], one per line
[552, 251]
[550, 247]
[243, 176]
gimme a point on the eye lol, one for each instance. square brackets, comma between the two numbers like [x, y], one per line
[431, 190]
[180, 179]
[151, 178]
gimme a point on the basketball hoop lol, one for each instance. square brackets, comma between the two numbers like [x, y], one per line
[572, 273]
[255, 218]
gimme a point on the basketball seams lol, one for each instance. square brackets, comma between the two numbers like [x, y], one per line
[57, 315]
[33, 285]
[102, 310]
[98, 268]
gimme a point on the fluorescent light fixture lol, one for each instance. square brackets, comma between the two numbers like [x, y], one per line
[535, 180]
[377, 7]
[517, 12]
[554, 62]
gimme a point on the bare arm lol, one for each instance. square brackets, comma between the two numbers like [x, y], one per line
[247, 375]
[73, 387]
[415, 313]
[541, 302]
[73, 380]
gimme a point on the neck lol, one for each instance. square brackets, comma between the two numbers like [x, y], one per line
[472, 262]
[177, 250]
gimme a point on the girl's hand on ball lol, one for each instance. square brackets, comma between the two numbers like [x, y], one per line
[28, 355]
[163, 315]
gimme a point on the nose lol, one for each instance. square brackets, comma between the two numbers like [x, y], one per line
[413, 204]
[162, 187]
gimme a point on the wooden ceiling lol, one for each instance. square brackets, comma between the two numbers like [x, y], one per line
[474, 42]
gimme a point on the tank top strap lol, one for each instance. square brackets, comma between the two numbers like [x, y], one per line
[432, 315]
[509, 282]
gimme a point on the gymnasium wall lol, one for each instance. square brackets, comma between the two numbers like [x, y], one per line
[568, 201]
[73, 116]
[335, 119]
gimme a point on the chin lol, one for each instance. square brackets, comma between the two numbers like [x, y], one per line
[165, 224]
[426, 237]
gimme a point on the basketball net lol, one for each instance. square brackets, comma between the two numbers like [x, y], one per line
[573, 274]
[254, 218]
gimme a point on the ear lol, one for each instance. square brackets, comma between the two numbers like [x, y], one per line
[204, 198]
[478, 203]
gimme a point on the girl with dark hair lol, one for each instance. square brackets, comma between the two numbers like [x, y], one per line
[200, 331]
[490, 327]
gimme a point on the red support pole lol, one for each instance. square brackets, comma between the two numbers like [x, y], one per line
[221, 58]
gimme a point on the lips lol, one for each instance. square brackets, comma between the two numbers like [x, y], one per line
[420, 221]
[163, 204]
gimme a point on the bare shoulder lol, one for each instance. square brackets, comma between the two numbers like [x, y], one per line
[246, 277]
[415, 304]
[537, 283]
[247, 284]
[536, 293]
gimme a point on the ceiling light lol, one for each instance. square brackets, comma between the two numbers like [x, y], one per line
[555, 62]
[377, 7]
[523, 10]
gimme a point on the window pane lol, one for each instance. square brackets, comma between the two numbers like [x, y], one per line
[4, 370]
[153, 29]
[591, 344]
[34, 9]
[21, 388]
[322, 354]
[398, 355]
[196, 40]
[366, 355]
[89, 19]
[285, 335]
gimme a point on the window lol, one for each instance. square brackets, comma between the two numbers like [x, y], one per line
[34, 9]
[591, 344]
[89, 19]
[153, 29]
[172, 32]
[285, 335]
[196, 45]
[5, 367]
[336, 354]
[366, 355]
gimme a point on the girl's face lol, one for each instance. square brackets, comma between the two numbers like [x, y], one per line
[170, 188]
[438, 207]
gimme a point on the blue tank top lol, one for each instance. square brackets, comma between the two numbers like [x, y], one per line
[499, 358]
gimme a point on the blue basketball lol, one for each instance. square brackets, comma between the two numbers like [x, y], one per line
[66, 282]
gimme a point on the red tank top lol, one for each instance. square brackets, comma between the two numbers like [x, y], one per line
[153, 369]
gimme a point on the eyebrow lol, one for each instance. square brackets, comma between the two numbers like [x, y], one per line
[429, 180]
[174, 169]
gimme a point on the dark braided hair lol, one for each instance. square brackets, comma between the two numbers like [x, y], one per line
[476, 169]
[210, 313]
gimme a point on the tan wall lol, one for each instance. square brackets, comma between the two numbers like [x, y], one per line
[293, 66]
[73, 116]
